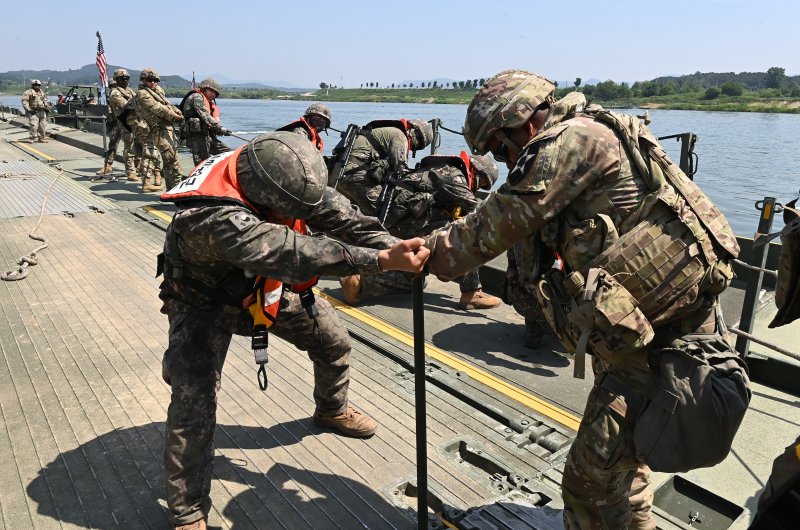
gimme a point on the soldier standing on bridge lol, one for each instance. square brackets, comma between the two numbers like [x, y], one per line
[597, 188]
[243, 215]
[201, 125]
[119, 97]
[36, 106]
[155, 109]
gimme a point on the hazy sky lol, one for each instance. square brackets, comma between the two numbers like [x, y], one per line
[348, 43]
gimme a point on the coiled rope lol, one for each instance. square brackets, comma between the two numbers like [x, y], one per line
[30, 259]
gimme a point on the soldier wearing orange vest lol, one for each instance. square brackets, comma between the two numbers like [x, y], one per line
[237, 261]
[316, 119]
[202, 126]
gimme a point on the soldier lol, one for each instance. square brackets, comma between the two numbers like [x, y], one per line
[316, 119]
[439, 190]
[380, 150]
[240, 215]
[120, 95]
[201, 126]
[159, 114]
[36, 106]
[597, 188]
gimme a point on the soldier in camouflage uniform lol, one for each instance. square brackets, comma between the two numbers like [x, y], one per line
[578, 186]
[36, 106]
[519, 290]
[439, 190]
[237, 218]
[379, 150]
[120, 95]
[316, 119]
[159, 114]
[201, 126]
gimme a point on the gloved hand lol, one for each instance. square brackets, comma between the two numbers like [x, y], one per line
[225, 132]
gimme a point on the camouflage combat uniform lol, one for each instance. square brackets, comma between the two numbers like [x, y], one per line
[575, 190]
[36, 107]
[431, 197]
[203, 142]
[219, 243]
[118, 99]
[370, 161]
[153, 107]
[522, 272]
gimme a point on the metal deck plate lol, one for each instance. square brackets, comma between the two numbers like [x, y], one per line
[24, 183]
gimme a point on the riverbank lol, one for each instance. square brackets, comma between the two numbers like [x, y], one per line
[751, 102]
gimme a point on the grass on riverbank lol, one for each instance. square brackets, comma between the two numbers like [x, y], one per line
[748, 102]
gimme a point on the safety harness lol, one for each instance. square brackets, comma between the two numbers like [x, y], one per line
[216, 180]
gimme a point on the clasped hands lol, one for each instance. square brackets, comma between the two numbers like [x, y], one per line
[409, 255]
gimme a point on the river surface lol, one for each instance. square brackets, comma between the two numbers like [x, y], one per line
[743, 156]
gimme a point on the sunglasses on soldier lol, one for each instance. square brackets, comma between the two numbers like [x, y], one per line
[504, 143]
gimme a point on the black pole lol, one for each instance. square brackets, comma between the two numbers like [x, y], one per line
[419, 399]
[755, 278]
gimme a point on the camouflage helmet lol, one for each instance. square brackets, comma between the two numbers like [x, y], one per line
[210, 82]
[283, 172]
[424, 135]
[506, 100]
[321, 110]
[120, 72]
[149, 74]
[35, 82]
[485, 166]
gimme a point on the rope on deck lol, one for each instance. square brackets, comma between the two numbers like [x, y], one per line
[763, 342]
[754, 268]
[30, 259]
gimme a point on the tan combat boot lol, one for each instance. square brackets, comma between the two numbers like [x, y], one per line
[351, 288]
[197, 525]
[478, 300]
[350, 422]
[132, 175]
[147, 187]
[157, 176]
[105, 170]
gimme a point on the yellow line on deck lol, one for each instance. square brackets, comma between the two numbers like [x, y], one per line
[158, 213]
[520, 396]
[33, 150]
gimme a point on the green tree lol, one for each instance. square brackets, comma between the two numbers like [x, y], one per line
[482, 81]
[794, 89]
[732, 89]
[577, 82]
[436, 84]
[323, 86]
[712, 92]
[775, 78]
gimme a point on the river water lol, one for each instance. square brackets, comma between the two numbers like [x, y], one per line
[743, 156]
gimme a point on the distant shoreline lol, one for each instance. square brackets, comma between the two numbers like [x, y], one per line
[463, 97]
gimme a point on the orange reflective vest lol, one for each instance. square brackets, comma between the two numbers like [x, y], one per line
[217, 179]
[462, 161]
[401, 124]
[210, 107]
[312, 133]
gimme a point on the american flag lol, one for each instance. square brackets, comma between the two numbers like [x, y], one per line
[101, 66]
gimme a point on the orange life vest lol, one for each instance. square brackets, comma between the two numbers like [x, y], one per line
[216, 179]
[312, 133]
[210, 107]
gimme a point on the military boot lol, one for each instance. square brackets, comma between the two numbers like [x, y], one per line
[132, 176]
[107, 169]
[478, 300]
[350, 422]
[197, 525]
[351, 288]
[157, 179]
[147, 187]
